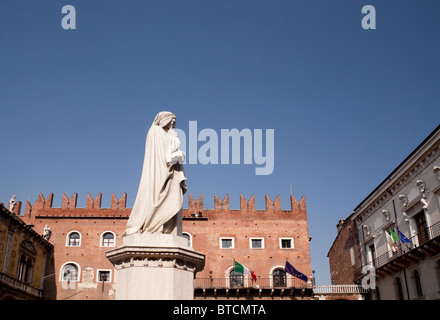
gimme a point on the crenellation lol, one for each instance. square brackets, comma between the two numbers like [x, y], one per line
[194, 205]
[221, 205]
[69, 203]
[294, 204]
[302, 202]
[93, 203]
[119, 203]
[273, 206]
[277, 204]
[247, 206]
[93, 206]
[43, 203]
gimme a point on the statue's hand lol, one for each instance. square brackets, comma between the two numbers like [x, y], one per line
[178, 156]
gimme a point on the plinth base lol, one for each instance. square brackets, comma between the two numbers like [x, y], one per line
[155, 267]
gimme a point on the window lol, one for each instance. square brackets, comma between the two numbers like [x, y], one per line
[399, 291]
[286, 243]
[227, 243]
[26, 261]
[25, 269]
[69, 272]
[422, 227]
[73, 239]
[417, 283]
[352, 259]
[104, 276]
[187, 236]
[279, 278]
[372, 254]
[235, 279]
[256, 243]
[108, 239]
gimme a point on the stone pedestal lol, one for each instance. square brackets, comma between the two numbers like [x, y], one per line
[155, 267]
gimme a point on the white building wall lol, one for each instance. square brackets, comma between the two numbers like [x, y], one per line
[413, 188]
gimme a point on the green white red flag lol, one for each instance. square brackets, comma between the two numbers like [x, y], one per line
[238, 267]
[391, 242]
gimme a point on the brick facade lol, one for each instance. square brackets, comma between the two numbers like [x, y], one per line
[344, 254]
[268, 229]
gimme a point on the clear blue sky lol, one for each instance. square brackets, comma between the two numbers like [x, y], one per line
[347, 104]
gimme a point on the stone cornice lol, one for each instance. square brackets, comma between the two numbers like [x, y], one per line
[424, 156]
[149, 256]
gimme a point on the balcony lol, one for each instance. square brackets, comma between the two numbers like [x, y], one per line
[423, 244]
[339, 289]
[263, 287]
[20, 286]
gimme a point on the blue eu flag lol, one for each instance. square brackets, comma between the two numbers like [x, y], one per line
[403, 238]
[290, 269]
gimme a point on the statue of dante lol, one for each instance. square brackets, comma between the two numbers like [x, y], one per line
[158, 204]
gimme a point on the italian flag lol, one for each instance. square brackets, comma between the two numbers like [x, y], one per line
[391, 242]
[242, 269]
[394, 236]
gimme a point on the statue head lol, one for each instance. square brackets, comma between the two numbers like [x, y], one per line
[165, 119]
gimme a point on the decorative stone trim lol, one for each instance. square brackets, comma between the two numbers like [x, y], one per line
[128, 257]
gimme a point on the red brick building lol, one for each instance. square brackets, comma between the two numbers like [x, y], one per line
[344, 254]
[261, 240]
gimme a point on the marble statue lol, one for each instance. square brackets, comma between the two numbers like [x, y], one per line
[158, 204]
[47, 233]
[12, 203]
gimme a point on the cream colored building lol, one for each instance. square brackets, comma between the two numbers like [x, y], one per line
[407, 202]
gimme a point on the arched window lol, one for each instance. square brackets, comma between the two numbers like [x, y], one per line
[398, 286]
[235, 279]
[279, 278]
[26, 262]
[187, 236]
[417, 283]
[74, 239]
[69, 272]
[25, 269]
[108, 239]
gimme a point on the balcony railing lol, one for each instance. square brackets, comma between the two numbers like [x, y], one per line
[20, 285]
[418, 241]
[340, 289]
[262, 283]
